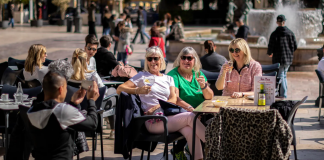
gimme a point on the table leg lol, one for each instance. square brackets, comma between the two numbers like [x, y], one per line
[194, 136]
[6, 134]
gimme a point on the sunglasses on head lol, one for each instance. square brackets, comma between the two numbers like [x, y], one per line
[93, 49]
[189, 58]
[152, 58]
[237, 50]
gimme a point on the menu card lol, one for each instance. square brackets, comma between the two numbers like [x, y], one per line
[269, 88]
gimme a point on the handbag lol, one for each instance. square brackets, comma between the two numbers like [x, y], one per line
[170, 109]
[129, 50]
[122, 70]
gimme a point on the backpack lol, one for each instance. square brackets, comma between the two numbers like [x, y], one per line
[284, 108]
[122, 70]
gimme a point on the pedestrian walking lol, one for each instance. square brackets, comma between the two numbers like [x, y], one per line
[105, 22]
[141, 27]
[123, 42]
[11, 16]
[281, 48]
[91, 18]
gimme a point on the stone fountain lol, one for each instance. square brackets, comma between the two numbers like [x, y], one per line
[305, 23]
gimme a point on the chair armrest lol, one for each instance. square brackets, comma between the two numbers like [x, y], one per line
[110, 96]
[106, 77]
[141, 120]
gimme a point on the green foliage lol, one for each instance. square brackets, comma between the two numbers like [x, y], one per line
[4, 1]
[63, 5]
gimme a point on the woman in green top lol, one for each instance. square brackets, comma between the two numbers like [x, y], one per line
[190, 89]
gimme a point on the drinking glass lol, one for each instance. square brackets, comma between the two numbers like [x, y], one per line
[230, 63]
[18, 98]
[149, 81]
[197, 74]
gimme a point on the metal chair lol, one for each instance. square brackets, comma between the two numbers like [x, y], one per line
[272, 68]
[140, 133]
[274, 73]
[70, 91]
[12, 61]
[9, 76]
[290, 122]
[321, 85]
[212, 78]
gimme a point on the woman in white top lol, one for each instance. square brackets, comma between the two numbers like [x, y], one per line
[34, 68]
[81, 70]
[163, 88]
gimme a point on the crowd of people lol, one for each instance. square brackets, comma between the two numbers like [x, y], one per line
[185, 85]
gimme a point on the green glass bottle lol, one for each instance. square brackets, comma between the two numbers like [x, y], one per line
[261, 96]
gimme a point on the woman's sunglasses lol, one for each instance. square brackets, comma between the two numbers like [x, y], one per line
[152, 58]
[237, 50]
[189, 58]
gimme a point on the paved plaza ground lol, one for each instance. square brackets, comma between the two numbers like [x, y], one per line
[310, 133]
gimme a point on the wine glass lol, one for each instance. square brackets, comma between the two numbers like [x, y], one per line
[197, 74]
[149, 81]
[230, 63]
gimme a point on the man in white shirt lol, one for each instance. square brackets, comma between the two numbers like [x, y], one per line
[320, 66]
[91, 47]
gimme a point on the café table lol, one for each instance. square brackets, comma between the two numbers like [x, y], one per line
[7, 107]
[208, 107]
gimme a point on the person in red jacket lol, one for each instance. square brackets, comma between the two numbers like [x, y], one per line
[157, 39]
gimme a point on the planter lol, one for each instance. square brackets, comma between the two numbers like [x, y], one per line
[61, 22]
[36, 23]
[4, 24]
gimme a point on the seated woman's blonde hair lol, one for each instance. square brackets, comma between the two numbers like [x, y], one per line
[35, 53]
[243, 46]
[79, 64]
[157, 51]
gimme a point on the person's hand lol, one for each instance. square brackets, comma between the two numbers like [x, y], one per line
[116, 38]
[182, 40]
[202, 82]
[237, 95]
[190, 109]
[93, 92]
[78, 96]
[271, 55]
[151, 110]
[226, 68]
[143, 90]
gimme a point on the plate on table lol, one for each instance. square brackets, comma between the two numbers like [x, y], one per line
[250, 97]
[8, 100]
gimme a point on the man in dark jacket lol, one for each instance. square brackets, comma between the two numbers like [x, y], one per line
[52, 120]
[11, 16]
[281, 47]
[105, 60]
[92, 18]
[243, 29]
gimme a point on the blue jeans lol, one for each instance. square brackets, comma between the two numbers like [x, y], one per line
[105, 31]
[145, 34]
[283, 75]
[122, 56]
[12, 21]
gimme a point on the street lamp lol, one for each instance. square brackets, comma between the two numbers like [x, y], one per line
[77, 19]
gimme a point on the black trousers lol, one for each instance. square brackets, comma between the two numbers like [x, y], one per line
[92, 27]
[139, 31]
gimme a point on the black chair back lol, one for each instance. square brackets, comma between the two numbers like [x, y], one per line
[11, 90]
[74, 84]
[84, 104]
[20, 65]
[28, 84]
[23, 115]
[270, 68]
[3, 67]
[9, 76]
[274, 73]
[211, 79]
[48, 61]
[12, 61]
[320, 76]
[293, 111]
